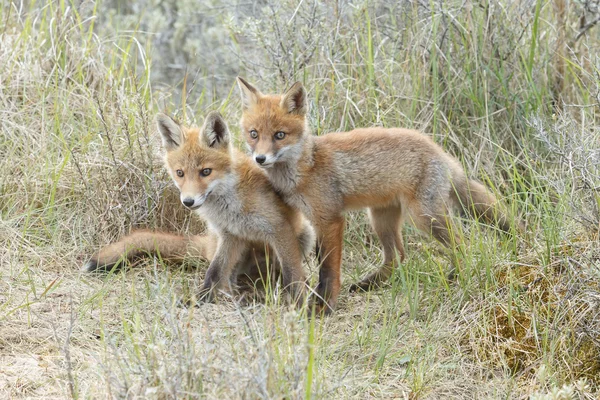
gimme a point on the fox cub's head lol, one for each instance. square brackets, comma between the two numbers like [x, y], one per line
[274, 126]
[198, 160]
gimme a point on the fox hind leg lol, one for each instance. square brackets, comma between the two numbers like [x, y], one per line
[387, 223]
[439, 225]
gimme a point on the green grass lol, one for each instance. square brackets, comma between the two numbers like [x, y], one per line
[80, 166]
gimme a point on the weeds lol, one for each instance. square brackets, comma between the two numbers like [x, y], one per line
[511, 88]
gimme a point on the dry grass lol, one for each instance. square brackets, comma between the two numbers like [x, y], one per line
[511, 88]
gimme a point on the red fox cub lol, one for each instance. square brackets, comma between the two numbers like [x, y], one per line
[235, 197]
[398, 174]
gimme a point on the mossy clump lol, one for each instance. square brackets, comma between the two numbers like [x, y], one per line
[512, 334]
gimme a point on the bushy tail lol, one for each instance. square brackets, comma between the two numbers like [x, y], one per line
[143, 243]
[479, 202]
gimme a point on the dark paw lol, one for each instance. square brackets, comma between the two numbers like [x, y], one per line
[206, 296]
[318, 311]
[363, 286]
[318, 308]
[187, 303]
[452, 275]
[355, 287]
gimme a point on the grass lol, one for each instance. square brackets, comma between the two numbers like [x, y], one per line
[510, 88]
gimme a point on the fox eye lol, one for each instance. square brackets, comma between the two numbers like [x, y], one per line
[179, 173]
[279, 135]
[206, 172]
[253, 134]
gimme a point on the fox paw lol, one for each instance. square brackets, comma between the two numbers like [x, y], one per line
[319, 308]
[318, 311]
[186, 303]
[206, 296]
[359, 287]
[364, 286]
[452, 275]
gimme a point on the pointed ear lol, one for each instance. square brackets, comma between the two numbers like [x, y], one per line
[215, 132]
[172, 136]
[294, 100]
[250, 94]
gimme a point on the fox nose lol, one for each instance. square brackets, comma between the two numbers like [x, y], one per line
[260, 158]
[188, 202]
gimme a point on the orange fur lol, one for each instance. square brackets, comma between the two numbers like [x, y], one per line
[399, 174]
[237, 200]
[248, 222]
[141, 243]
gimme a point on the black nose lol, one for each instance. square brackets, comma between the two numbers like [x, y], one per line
[260, 159]
[188, 202]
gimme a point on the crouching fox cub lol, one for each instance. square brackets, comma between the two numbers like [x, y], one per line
[235, 197]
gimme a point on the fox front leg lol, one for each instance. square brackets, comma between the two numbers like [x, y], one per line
[330, 237]
[289, 252]
[219, 273]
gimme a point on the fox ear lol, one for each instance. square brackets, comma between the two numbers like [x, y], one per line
[250, 94]
[294, 100]
[215, 132]
[170, 131]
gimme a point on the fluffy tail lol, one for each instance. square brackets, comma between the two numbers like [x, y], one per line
[142, 243]
[479, 202]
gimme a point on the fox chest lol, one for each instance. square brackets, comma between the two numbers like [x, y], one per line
[247, 226]
[299, 202]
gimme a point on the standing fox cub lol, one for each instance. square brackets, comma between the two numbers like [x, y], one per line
[398, 174]
[236, 199]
